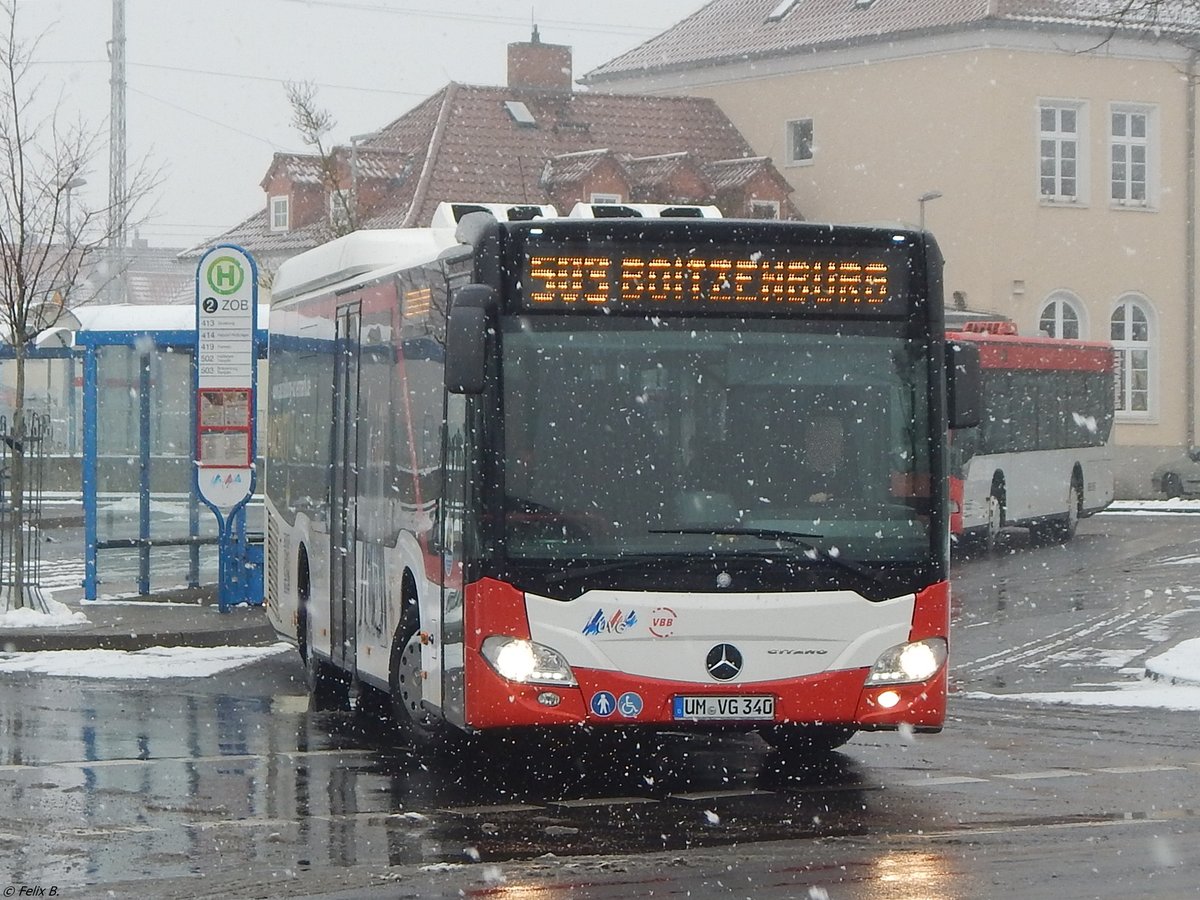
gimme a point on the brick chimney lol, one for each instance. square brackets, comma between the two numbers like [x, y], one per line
[532, 64]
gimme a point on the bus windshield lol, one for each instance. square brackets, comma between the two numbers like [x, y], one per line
[654, 437]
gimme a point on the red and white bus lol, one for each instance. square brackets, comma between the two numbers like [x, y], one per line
[1039, 457]
[551, 472]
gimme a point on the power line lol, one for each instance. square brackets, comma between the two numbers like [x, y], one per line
[267, 78]
[324, 84]
[218, 122]
[474, 18]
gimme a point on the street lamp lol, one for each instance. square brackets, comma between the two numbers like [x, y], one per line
[67, 188]
[355, 140]
[922, 200]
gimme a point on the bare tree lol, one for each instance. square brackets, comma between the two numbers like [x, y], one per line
[47, 243]
[314, 123]
[1175, 20]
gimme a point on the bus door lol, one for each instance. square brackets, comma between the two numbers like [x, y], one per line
[343, 585]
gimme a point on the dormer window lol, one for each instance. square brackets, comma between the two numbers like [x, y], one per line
[279, 213]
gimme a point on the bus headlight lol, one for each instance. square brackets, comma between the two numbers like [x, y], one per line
[908, 663]
[526, 662]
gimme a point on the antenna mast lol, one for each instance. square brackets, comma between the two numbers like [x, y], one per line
[117, 189]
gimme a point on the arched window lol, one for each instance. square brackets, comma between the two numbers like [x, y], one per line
[1133, 342]
[1062, 317]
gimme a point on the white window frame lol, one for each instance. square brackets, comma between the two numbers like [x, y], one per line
[1059, 302]
[607, 198]
[339, 216]
[1126, 345]
[790, 141]
[1128, 145]
[772, 205]
[279, 213]
[1059, 139]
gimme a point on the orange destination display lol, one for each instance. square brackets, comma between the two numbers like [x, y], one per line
[812, 280]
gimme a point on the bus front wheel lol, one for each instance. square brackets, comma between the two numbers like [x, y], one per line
[422, 729]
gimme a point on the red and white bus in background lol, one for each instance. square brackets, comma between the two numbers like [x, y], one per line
[1039, 457]
[535, 471]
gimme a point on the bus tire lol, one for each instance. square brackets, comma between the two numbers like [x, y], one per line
[995, 519]
[421, 729]
[1061, 529]
[1172, 486]
[327, 689]
[1068, 525]
[806, 739]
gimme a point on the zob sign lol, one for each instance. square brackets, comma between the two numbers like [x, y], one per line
[226, 319]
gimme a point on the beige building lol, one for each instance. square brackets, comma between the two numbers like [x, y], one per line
[1050, 150]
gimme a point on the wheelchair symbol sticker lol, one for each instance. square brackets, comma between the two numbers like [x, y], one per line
[630, 705]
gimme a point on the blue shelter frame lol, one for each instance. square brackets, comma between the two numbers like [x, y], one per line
[85, 354]
[89, 344]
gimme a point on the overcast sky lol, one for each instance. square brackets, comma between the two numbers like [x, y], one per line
[205, 99]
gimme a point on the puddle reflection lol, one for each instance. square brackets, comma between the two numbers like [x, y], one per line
[112, 783]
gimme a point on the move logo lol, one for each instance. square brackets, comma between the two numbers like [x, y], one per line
[618, 623]
[227, 479]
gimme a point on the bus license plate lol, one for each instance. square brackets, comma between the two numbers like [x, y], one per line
[724, 708]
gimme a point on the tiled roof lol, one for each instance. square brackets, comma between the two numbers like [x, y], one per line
[256, 235]
[300, 168]
[471, 147]
[734, 30]
[305, 168]
[570, 168]
[381, 164]
[463, 144]
[649, 171]
[730, 173]
[156, 276]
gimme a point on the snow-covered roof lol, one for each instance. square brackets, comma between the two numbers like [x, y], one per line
[128, 317]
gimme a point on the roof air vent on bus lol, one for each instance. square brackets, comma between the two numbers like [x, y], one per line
[642, 210]
[447, 215]
[990, 327]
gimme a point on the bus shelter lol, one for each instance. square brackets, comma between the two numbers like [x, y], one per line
[120, 384]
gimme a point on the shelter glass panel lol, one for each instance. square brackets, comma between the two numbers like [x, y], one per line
[149, 520]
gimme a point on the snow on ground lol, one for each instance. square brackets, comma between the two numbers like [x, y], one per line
[138, 665]
[58, 614]
[1172, 682]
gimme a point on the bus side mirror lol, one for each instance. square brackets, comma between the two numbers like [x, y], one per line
[467, 338]
[964, 387]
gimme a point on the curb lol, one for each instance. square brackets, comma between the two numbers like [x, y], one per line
[187, 617]
[27, 640]
[1166, 666]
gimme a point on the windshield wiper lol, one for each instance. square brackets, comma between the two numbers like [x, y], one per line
[796, 538]
[633, 562]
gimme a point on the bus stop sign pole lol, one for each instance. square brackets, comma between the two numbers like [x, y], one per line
[226, 384]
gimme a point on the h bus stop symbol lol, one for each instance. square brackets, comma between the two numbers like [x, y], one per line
[225, 275]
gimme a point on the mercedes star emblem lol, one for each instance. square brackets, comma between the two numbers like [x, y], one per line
[724, 662]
